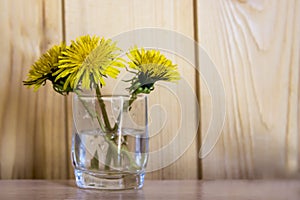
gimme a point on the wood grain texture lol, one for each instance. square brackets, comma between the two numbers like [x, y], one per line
[255, 46]
[32, 133]
[169, 189]
[109, 18]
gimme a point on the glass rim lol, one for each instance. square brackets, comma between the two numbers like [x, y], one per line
[111, 96]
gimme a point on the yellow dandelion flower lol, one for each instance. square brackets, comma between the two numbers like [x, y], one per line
[88, 60]
[151, 66]
[43, 68]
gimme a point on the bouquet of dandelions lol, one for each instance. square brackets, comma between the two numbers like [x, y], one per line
[88, 61]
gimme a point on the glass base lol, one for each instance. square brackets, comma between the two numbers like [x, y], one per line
[109, 181]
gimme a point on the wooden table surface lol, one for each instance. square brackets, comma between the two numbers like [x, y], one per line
[221, 189]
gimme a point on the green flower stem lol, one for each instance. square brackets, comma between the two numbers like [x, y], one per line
[103, 111]
[108, 155]
[124, 150]
[133, 97]
[107, 126]
[102, 126]
[113, 147]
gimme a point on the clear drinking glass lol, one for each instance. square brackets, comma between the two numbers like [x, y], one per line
[110, 141]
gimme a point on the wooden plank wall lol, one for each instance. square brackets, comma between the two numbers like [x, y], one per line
[33, 136]
[254, 44]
